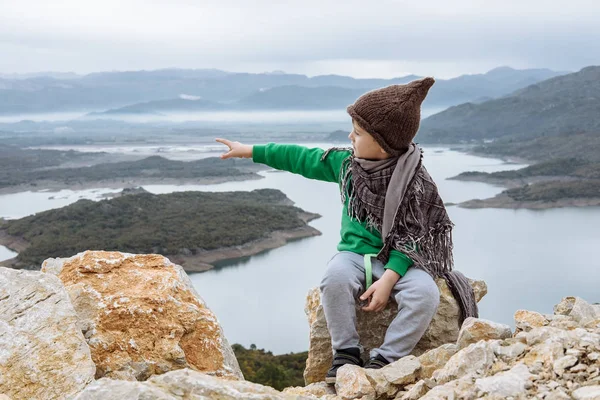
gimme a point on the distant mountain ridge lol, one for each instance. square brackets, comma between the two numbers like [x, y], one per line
[112, 90]
[567, 104]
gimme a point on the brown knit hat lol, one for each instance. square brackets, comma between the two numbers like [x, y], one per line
[392, 114]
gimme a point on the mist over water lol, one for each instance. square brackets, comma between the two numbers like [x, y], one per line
[214, 117]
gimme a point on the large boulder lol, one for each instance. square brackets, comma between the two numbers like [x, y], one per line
[183, 384]
[141, 316]
[444, 328]
[43, 354]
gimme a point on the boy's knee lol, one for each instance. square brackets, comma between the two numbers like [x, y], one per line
[430, 294]
[339, 275]
[425, 294]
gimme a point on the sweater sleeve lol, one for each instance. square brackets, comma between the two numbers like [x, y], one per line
[301, 160]
[398, 262]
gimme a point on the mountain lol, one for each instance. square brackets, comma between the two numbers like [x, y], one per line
[50, 74]
[566, 104]
[111, 90]
[154, 107]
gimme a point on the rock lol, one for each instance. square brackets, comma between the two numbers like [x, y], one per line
[443, 329]
[545, 353]
[436, 358]
[383, 388]
[545, 334]
[474, 359]
[117, 389]
[352, 383]
[504, 384]
[474, 329]
[403, 371]
[526, 320]
[563, 363]
[577, 308]
[183, 384]
[141, 316]
[587, 393]
[457, 389]
[416, 392]
[318, 389]
[43, 354]
[508, 349]
[558, 394]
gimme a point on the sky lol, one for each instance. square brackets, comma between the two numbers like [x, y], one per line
[379, 39]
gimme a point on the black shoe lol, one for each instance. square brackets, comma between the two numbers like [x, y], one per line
[377, 362]
[342, 357]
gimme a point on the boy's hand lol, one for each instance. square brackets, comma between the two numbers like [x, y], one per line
[236, 149]
[379, 292]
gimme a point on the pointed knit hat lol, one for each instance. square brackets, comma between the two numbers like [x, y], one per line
[392, 114]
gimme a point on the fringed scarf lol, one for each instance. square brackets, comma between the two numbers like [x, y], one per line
[398, 197]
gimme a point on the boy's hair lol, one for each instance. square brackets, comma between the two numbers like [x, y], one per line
[392, 114]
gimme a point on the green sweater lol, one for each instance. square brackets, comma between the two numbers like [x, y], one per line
[355, 236]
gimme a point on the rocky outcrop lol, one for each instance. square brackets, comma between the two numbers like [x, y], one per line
[443, 329]
[43, 354]
[141, 316]
[548, 357]
[141, 319]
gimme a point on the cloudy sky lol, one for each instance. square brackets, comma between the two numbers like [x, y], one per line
[359, 38]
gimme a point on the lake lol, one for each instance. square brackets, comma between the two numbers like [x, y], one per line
[529, 259]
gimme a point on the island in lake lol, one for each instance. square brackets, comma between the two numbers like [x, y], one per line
[573, 182]
[35, 169]
[193, 229]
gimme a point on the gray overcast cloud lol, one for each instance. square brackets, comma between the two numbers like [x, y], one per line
[381, 39]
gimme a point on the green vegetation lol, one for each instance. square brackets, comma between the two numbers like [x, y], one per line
[567, 104]
[580, 146]
[572, 167]
[168, 224]
[584, 180]
[263, 367]
[24, 167]
[14, 159]
[554, 191]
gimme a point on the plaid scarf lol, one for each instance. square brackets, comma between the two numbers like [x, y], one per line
[420, 228]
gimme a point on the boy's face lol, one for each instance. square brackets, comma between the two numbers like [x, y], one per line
[364, 145]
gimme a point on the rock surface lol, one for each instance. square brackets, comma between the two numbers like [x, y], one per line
[141, 316]
[182, 384]
[550, 357]
[474, 329]
[444, 328]
[43, 354]
[119, 299]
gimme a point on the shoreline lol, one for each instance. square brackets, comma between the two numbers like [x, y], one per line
[511, 183]
[504, 201]
[204, 260]
[55, 186]
[501, 200]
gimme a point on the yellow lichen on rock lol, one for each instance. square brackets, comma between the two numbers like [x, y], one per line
[141, 316]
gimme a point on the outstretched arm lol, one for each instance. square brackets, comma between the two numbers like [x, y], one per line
[308, 162]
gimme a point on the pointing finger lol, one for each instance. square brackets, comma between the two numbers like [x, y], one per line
[224, 141]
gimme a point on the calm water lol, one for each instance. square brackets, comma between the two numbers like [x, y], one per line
[529, 259]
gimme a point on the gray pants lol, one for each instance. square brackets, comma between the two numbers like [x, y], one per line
[416, 293]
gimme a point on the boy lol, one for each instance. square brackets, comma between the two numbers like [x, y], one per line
[395, 234]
